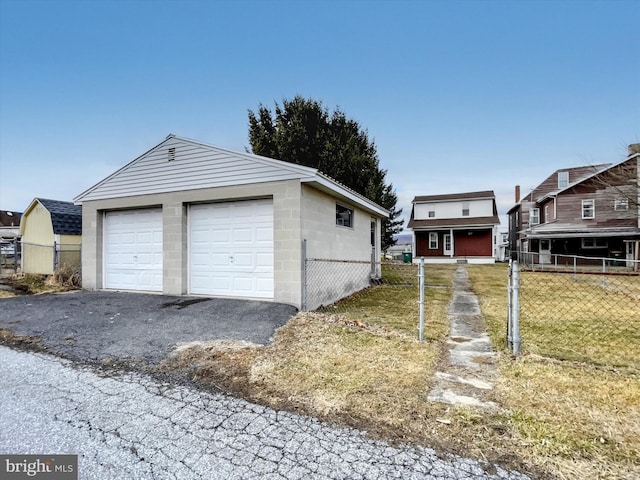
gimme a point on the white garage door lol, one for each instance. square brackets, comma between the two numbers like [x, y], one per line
[133, 250]
[231, 249]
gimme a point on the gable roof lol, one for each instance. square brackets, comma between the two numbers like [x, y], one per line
[452, 197]
[599, 171]
[549, 186]
[178, 164]
[66, 217]
[455, 222]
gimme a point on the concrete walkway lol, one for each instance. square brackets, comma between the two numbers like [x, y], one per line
[467, 371]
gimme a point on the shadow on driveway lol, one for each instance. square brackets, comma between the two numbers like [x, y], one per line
[99, 326]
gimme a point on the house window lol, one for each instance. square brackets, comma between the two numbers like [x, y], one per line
[594, 243]
[433, 240]
[563, 179]
[621, 204]
[546, 213]
[588, 209]
[432, 213]
[465, 209]
[534, 216]
[344, 216]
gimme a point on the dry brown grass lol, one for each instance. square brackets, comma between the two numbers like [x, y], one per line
[580, 419]
[364, 367]
[63, 280]
[366, 376]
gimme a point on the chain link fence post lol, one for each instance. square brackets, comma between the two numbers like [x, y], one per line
[421, 283]
[515, 326]
[509, 295]
[303, 300]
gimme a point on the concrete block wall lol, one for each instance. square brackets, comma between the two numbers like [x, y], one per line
[286, 197]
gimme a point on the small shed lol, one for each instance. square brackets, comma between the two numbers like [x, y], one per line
[51, 233]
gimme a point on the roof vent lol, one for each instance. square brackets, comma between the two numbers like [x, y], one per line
[172, 154]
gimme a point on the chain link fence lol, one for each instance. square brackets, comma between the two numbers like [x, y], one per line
[579, 314]
[388, 294]
[10, 251]
[329, 281]
[46, 259]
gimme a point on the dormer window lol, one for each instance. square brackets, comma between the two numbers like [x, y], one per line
[563, 179]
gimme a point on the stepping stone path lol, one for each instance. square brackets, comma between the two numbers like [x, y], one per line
[467, 372]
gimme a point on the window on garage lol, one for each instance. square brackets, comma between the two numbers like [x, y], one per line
[344, 216]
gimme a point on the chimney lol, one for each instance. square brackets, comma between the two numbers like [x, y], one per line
[634, 148]
[517, 193]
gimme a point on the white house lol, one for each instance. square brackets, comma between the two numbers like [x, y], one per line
[188, 218]
[455, 227]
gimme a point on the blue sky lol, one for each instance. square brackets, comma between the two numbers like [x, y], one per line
[458, 95]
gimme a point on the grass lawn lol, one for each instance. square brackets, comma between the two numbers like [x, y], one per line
[359, 363]
[580, 418]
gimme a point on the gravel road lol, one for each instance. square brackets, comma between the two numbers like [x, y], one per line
[132, 426]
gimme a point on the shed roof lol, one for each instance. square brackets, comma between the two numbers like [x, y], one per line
[66, 217]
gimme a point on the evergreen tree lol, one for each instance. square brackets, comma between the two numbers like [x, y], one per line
[304, 132]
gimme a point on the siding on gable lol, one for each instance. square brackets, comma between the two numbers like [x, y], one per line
[477, 208]
[194, 167]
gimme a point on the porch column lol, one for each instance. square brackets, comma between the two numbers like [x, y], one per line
[453, 247]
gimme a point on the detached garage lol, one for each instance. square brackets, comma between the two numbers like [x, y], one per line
[187, 218]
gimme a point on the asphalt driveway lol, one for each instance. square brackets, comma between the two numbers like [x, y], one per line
[135, 327]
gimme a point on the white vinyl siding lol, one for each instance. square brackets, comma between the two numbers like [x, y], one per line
[193, 166]
[454, 209]
[133, 250]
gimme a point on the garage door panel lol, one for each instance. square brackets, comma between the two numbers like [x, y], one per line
[243, 260]
[133, 250]
[264, 234]
[243, 235]
[264, 260]
[238, 250]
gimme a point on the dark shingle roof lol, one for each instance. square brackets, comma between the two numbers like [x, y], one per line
[453, 222]
[9, 219]
[65, 216]
[455, 196]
